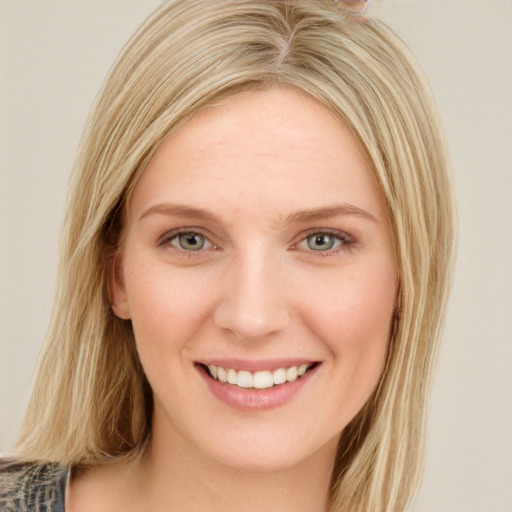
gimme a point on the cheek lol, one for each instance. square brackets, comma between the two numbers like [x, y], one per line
[353, 317]
[167, 307]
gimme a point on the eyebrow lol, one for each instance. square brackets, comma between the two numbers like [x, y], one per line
[302, 216]
[329, 212]
[180, 209]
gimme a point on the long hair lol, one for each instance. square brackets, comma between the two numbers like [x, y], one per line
[91, 402]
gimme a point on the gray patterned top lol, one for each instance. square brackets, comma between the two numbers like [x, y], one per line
[32, 487]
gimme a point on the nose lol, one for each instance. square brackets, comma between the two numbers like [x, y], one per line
[253, 300]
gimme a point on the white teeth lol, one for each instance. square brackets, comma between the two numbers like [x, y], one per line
[245, 379]
[292, 374]
[263, 380]
[213, 371]
[232, 376]
[258, 380]
[221, 374]
[280, 376]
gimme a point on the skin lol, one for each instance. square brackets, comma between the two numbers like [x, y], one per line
[267, 170]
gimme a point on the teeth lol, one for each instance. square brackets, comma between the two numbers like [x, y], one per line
[245, 379]
[232, 376]
[292, 374]
[263, 380]
[258, 380]
[222, 375]
[280, 376]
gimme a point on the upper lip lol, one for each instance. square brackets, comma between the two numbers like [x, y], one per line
[254, 365]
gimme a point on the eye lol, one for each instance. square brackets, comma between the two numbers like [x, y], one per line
[325, 242]
[189, 241]
[322, 241]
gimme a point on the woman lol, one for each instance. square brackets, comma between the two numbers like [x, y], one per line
[253, 276]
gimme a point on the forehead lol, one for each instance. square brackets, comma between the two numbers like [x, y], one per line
[276, 145]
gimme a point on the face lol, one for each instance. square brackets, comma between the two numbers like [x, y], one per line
[259, 276]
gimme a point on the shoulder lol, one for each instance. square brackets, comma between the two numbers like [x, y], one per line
[32, 487]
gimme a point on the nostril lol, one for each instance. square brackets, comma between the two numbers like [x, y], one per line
[252, 302]
[249, 326]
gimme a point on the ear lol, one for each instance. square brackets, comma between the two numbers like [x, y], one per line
[117, 289]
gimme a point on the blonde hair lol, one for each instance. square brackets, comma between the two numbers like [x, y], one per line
[90, 400]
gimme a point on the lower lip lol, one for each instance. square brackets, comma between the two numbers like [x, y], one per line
[256, 399]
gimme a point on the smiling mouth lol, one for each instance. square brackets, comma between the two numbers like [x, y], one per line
[263, 379]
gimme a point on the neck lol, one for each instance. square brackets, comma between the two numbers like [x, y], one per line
[172, 475]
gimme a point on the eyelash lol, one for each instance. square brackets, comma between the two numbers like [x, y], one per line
[343, 241]
[168, 240]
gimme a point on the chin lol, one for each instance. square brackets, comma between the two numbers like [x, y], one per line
[260, 452]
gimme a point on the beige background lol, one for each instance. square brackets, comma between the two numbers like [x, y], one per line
[53, 57]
